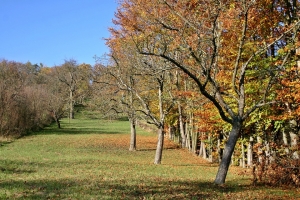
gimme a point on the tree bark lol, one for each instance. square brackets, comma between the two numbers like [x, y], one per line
[194, 139]
[160, 145]
[188, 138]
[294, 145]
[210, 156]
[181, 127]
[71, 105]
[58, 123]
[171, 133]
[193, 133]
[285, 141]
[132, 146]
[243, 155]
[220, 150]
[228, 151]
[202, 151]
[250, 153]
[161, 125]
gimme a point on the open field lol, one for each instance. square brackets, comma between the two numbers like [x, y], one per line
[89, 159]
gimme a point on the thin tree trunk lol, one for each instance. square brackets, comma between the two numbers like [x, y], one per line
[204, 154]
[71, 105]
[188, 137]
[285, 141]
[132, 146]
[194, 134]
[159, 147]
[58, 123]
[194, 140]
[228, 151]
[243, 155]
[56, 118]
[200, 149]
[220, 150]
[250, 153]
[160, 142]
[181, 127]
[294, 145]
[210, 156]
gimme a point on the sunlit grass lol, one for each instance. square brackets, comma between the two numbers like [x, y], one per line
[89, 159]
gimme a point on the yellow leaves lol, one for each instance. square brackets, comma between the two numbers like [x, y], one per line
[232, 6]
[280, 51]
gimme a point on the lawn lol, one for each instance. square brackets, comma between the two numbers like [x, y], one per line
[89, 159]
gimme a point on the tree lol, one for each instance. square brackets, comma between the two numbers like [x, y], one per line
[114, 85]
[57, 97]
[23, 99]
[219, 46]
[144, 86]
[70, 75]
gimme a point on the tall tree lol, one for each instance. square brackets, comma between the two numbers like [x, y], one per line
[146, 86]
[69, 75]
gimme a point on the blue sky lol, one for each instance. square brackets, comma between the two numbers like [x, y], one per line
[51, 31]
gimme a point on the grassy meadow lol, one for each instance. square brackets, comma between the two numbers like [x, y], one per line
[89, 159]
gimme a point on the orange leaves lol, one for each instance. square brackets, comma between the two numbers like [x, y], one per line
[187, 94]
[207, 118]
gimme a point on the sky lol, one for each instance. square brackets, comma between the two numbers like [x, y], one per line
[52, 31]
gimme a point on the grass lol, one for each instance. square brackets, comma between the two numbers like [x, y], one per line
[89, 159]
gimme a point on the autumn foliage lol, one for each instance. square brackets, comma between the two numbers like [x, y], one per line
[239, 65]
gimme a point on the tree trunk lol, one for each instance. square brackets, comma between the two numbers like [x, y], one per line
[294, 139]
[188, 138]
[58, 123]
[170, 133]
[132, 146]
[250, 153]
[71, 105]
[285, 141]
[210, 156]
[202, 151]
[194, 140]
[181, 127]
[193, 134]
[56, 118]
[294, 145]
[220, 150]
[160, 145]
[243, 155]
[228, 151]
[161, 126]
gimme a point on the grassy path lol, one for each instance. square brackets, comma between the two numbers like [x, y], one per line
[89, 159]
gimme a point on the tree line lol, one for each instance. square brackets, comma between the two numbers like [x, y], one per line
[220, 78]
[33, 96]
[222, 75]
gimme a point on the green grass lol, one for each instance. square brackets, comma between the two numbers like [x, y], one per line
[89, 159]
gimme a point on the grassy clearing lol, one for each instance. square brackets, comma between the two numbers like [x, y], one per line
[89, 159]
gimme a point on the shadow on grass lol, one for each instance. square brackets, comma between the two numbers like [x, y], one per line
[153, 149]
[4, 143]
[74, 131]
[15, 167]
[85, 189]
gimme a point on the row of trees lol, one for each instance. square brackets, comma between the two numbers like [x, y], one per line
[222, 74]
[219, 77]
[32, 96]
